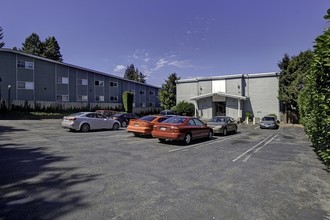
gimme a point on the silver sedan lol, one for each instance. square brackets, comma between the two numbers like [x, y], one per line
[222, 125]
[86, 121]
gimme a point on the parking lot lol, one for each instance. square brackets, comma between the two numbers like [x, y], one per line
[50, 173]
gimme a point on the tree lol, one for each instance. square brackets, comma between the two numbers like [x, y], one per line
[314, 101]
[2, 44]
[134, 74]
[167, 94]
[51, 49]
[33, 45]
[293, 72]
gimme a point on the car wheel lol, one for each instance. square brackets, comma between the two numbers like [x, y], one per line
[84, 127]
[187, 139]
[235, 130]
[124, 124]
[210, 135]
[136, 134]
[71, 129]
[225, 132]
[162, 140]
[115, 126]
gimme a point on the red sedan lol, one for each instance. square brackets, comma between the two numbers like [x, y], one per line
[144, 125]
[181, 128]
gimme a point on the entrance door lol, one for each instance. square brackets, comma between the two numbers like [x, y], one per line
[220, 108]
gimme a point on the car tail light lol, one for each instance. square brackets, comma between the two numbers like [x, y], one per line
[174, 129]
[72, 119]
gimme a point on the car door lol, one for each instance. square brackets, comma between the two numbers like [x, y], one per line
[91, 120]
[203, 130]
[102, 122]
[193, 128]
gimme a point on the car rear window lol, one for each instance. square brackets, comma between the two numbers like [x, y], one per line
[148, 118]
[77, 114]
[268, 119]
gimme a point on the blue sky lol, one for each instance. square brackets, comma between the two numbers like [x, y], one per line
[191, 38]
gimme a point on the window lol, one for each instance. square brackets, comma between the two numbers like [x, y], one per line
[113, 84]
[82, 98]
[142, 92]
[113, 98]
[83, 82]
[62, 98]
[151, 92]
[142, 104]
[151, 104]
[25, 85]
[99, 83]
[99, 98]
[26, 65]
[62, 80]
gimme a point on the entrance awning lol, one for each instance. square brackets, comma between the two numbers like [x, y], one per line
[223, 94]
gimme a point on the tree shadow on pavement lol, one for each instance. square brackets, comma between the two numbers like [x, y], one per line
[34, 184]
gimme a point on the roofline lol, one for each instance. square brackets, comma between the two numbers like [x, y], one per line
[218, 94]
[233, 76]
[73, 66]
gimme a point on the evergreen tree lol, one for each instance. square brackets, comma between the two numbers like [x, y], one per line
[52, 49]
[167, 94]
[2, 44]
[33, 45]
[134, 74]
[291, 81]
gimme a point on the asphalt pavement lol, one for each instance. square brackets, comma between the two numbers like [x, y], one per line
[50, 173]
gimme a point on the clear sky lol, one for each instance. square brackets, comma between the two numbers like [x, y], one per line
[192, 38]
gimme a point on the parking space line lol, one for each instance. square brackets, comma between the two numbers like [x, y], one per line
[204, 144]
[237, 158]
[256, 150]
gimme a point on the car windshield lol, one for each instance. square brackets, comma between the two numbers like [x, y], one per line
[175, 120]
[148, 118]
[217, 119]
[268, 119]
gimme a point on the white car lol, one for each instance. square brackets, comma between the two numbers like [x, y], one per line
[86, 121]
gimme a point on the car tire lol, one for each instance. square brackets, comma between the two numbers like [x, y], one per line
[224, 132]
[161, 140]
[85, 127]
[71, 129]
[136, 134]
[210, 135]
[187, 139]
[235, 130]
[124, 124]
[115, 126]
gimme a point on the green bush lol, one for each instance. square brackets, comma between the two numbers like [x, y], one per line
[184, 108]
[128, 98]
[314, 102]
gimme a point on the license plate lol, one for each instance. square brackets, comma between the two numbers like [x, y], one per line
[162, 128]
[136, 125]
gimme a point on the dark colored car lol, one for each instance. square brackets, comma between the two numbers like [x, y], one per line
[107, 113]
[222, 125]
[124, 118]
[181, 128]
[269, 122]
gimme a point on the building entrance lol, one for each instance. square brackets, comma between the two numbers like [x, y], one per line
[220, 108]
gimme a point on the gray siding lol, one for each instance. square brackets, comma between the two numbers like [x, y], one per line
[263, 94]
[43, 81]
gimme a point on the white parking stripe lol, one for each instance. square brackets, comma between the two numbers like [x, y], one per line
[237, 158]
[256, 150]
[205, 144]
